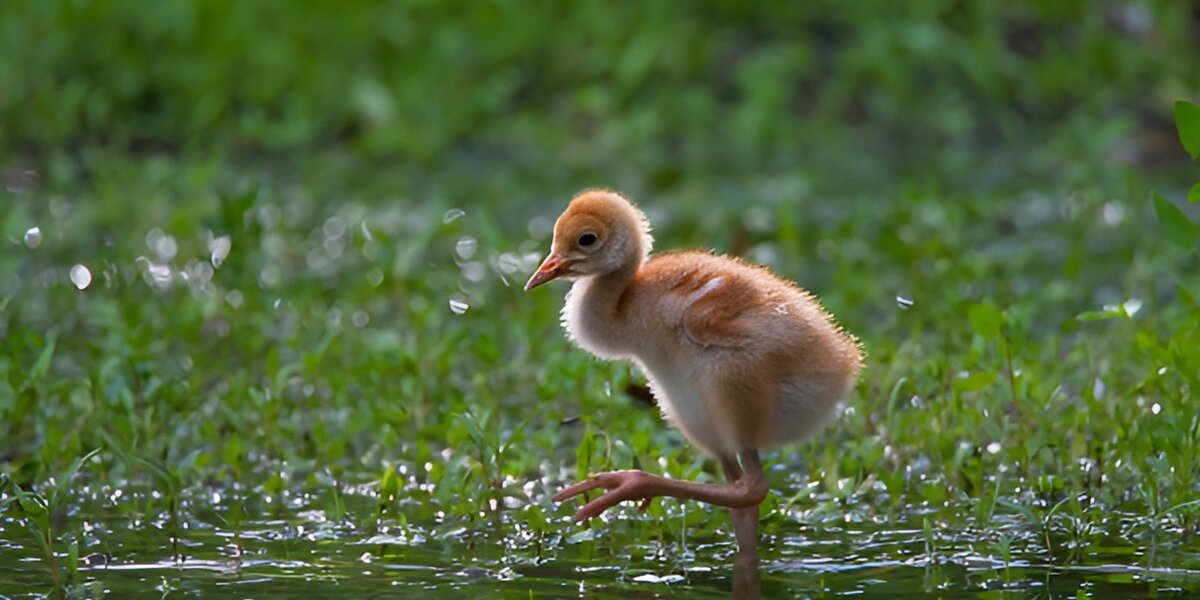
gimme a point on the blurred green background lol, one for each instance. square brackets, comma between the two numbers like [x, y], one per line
[267, 257]
[666, 90]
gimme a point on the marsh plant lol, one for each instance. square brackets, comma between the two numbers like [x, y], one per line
[269, 260]
[44, 515]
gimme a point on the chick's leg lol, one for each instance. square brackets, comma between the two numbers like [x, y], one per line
[745, 520]
[746, 491]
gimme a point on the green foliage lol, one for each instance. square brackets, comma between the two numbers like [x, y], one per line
[320, 368]
[1187, 121]
[305, 349]
[42, 511]
[675, 87]
[1178, 227]
[986, 320]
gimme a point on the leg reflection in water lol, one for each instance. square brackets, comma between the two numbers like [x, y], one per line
[746, 582]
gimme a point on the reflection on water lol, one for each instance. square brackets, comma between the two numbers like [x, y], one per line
[302, 551]
[295, 550]
[747, 583]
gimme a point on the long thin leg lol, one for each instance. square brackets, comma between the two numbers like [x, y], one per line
[747, 489]
[747, 584]
[733, 470]
[745, 520]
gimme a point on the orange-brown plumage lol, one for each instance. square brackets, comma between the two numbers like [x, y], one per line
[738, 358]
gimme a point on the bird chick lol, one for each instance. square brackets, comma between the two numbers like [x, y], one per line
[739, 359]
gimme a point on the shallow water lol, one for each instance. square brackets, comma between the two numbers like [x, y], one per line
[398, 394]
[301, 552]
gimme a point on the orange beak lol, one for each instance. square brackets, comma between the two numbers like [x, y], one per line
[551, 268]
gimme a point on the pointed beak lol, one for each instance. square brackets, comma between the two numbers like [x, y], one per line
[551, 268]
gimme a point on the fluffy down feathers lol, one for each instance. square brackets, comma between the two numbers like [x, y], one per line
[738, 358]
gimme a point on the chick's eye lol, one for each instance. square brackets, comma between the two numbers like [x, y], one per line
[587, 239]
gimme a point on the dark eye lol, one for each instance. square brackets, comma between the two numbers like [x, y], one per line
[587, 239]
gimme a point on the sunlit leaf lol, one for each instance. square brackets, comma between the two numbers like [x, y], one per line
[1176, 225]
[1125, 310]
[389, 484]
[583, 453]
[1097, 315]
[1194, 194]
[64, 478]
[1187, 121]
[72, 558]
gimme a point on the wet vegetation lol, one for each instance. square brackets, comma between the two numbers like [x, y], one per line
[262, 329]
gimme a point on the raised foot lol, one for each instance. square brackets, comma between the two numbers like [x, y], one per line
[621, 486]
[747, 491]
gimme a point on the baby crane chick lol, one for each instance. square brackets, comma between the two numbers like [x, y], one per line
[738, 359]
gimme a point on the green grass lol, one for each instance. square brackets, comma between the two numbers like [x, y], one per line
[301, 362]
[1034, 405]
